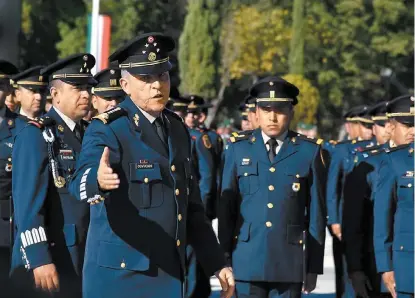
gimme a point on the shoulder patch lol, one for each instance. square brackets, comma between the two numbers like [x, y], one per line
[206, 141]
[111, 115]
[397, 148]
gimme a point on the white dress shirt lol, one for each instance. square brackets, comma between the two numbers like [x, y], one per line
[280, 140]
[68, 121]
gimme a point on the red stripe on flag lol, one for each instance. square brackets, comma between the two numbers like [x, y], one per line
[106, 39]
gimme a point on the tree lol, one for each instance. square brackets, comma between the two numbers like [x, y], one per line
[199, 48]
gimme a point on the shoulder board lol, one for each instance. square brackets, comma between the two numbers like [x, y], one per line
[174, 115]
[111, 115]
[240, 137]
[42, 122]
[397, 148]
[310, 139]
[370, 147]
[242, 132]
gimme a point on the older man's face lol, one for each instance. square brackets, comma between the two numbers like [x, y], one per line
[149, 92]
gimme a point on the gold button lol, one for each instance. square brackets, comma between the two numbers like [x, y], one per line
[179, 217]
[146, 180]
[268, 224]
[270, 205]
[297, 176]
[236, 237]
[178, 243]
[9, 159]
[401, 247]
[409, 185]
[177, 192]
[245, 174]
[301, 241]
[122, 265]
[173, 168]
[271, 188]
[272, 169]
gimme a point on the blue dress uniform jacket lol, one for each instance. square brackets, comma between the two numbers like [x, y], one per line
[357, 229]
[394, 217]
[203, 159]
[51, 225]
[341, 163]
[137, 236]
[266, 209]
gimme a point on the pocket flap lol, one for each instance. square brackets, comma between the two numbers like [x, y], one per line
[295, 234]
[69, 231]
[140, 172]
[244, 231]
[122, 257]
[246, 170]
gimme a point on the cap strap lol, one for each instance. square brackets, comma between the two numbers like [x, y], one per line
[105, 89]
[250, 105]
[4, 76]
[68, 75]
[140, 64]
[274, 99]
[377, 118]
[31, 83]
[360, 119]
[179, 104]
[400, 114]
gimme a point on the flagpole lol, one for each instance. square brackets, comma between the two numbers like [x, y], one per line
[95, 32]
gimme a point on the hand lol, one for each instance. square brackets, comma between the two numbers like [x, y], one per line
[337, 230]
[360, 284]
[227, 282]
[107, 179]
[310, 283]
[46, 278]
[389, 281]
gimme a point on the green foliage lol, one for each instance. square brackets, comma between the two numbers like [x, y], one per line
[198, 48]
[296, 58]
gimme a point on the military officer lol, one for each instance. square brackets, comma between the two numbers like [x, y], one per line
[272, 202]
[108, 92]
[358, 210]
[394, 203]
[135, 171]
[30, 87]
[245, 124]
[341, 163]
[7, 132]
[51, 225]
[177, 103]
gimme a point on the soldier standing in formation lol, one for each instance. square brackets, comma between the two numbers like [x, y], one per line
[51, 226]
[272, 201]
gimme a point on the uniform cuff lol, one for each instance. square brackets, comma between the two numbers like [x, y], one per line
[88, 187]
[36, 255]
[383, 261]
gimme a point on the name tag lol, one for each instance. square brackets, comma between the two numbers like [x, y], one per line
[66, 154]
[245, 162]
[144, 164]
[409, 174]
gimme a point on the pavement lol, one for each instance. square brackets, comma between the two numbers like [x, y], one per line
[325, 283]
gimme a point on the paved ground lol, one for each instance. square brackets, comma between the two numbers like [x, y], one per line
[325, 283]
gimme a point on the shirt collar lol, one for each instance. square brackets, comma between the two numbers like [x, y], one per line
[23, 113]
[149, 117]
[280, 139]
[68, 121]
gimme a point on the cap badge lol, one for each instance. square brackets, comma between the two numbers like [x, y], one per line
[113, 82]
[112, 71]
[85, 57]
[412, 98]
[272, 94]
[152, 56]
[271, 83]
[40, 78]
[150, 39]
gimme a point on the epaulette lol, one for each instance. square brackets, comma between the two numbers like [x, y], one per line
[42, 122]
[370, 147]
[242, 132]
[346, 142]
[240, 137]
[397, 148]
[310, 139]
[111, 115]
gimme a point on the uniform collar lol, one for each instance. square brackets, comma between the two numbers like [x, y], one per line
[68, 121]
[280, 139]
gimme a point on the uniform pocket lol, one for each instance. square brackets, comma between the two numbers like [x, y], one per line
[146, 188]
[121, 257]
[248, 178]
[244, 232]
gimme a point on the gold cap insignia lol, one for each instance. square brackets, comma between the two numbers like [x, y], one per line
[150, 39]
[271, 83]
[40, 78]
[152, 56]
[112, 71]
[85, 57]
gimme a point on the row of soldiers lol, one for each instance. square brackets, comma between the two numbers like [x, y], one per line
[122, 206]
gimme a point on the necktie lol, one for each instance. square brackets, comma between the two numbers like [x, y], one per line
[272, 143]
[78, 132]
[158, 123]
